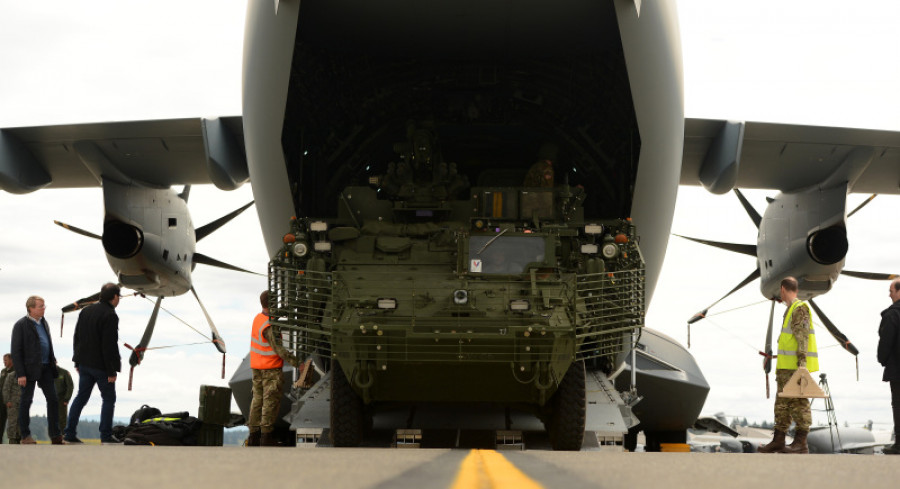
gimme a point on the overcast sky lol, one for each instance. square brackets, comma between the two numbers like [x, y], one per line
[805, 62]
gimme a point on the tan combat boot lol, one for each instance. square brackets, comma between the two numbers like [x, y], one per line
[798, 445]
[774, 446]
[253, 439]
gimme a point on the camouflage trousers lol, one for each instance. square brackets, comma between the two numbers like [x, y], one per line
[267, 390]
[787, 409]
[12, 423]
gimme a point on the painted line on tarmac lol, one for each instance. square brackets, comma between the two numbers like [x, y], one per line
[438, 472]
[488, 469]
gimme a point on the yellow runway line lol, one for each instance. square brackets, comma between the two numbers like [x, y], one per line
[487, 469]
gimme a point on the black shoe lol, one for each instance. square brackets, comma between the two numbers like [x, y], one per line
[72, 441]
[112, 440]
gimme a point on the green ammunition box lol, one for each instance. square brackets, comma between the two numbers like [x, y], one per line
[215, 405]
[210, 435]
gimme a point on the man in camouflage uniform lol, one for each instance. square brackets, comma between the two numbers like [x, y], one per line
[11, 394]
[64, 389]
[796, 409]
[267, 356]
[7, 368]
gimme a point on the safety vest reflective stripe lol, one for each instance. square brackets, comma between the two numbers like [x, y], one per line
[262, 352]
[787, 344]
[262, 356]
[259, 344]
[794, 353]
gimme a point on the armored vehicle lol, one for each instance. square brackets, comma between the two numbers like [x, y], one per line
[421, 288]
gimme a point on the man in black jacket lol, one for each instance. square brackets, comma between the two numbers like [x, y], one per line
[34, 363]
[97, 360]
[889, 356]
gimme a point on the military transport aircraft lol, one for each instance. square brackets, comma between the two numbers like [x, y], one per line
[327, 95]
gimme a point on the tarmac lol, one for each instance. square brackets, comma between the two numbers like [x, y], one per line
[135, 467]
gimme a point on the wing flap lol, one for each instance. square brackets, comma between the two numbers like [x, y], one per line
[787, 157]
[158, 153]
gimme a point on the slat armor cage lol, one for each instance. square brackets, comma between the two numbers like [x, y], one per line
[394, 314]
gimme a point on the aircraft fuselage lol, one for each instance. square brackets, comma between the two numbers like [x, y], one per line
[329, 86]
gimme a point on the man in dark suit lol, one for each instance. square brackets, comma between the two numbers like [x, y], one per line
[889, 357]
[97, 360]
[34, 363]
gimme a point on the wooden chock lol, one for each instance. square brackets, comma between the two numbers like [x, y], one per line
[802, 385]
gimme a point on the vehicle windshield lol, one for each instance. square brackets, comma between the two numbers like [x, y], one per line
[494, 254]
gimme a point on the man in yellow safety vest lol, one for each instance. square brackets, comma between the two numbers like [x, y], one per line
[796, 349]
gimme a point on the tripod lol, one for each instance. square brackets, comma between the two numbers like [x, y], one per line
[829, 410]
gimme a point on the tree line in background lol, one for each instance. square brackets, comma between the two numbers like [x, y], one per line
[86, 429]
[770, 425]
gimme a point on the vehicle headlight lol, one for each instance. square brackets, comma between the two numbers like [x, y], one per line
[460, 296]
[589, 249]
[610, 250]
[300, 249]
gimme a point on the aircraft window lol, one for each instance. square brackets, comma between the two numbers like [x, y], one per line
[173, 222]
[504, 254]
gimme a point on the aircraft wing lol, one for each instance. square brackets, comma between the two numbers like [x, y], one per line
[721, 155]
[156, 153]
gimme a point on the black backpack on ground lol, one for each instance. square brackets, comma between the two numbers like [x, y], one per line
[144, 412]
[173, 429]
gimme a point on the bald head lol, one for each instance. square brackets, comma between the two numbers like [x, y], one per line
[789, 289]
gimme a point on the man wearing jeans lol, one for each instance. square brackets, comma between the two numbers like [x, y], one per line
[97, 360]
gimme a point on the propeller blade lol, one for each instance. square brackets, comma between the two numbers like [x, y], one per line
[767, 359]
[702, 314]
[749, 208]
[860, 206]
[185, 193]
[137, 354]
[840, 337]
[81, 303]
[735, 247]
[77, 230]
[206, 230]
[217, 340]
[870, 275]
[205, 260]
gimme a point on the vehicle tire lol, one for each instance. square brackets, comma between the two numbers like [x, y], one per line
[346, 410]
[569, 410]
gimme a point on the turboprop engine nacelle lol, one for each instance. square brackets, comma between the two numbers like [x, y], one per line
[149, 238]
[804, 235]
